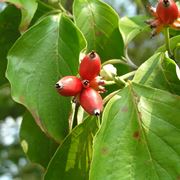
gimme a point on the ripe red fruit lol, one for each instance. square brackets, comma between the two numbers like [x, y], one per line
[69, 86]
[96, 83]
[91, 101]
[90, 66]
[167, 11]
[85, 83]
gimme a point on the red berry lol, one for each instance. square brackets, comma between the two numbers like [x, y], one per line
[69, 86]
[90, 66]
[85, 83]
[96, 83]
[167, 11]
[91, 101]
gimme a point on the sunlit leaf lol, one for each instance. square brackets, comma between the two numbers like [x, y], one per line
[72, 159]
[159, 72]
[48, 51]
[99, 24]
[131, 27]
[139, 137]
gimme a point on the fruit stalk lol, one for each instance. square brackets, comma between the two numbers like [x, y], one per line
[167, 41]
[75, 118]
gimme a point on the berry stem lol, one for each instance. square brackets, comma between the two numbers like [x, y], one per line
[125, 61]
[120, 78]
[126, 76]
[108, 83]
[119, 81]
[115, 61]
[167, 41]
[75, 121]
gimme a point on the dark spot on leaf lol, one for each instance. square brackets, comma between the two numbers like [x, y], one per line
[98, 33]
[104, 151]
[124, 109]
[178, 178]
[136, 135]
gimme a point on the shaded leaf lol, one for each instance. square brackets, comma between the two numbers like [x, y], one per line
[48, 51]
[7, 106]
[159, 72]
[138, 139]
[37, 146]
[8, 35]
[99, 24]
[131, 27]
[42, 10]
[72, 159]
[28, 8]
[67, 4]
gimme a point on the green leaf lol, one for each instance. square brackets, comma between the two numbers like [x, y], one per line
[43, 10]
[67, 4]
[45, 53]
[159, 72]
[174, 42]
[99, 24]
[37, 146]
[7, 106]
[131, 27]
[28, 8]
[139, 136]
[72, 159]
[8, 35]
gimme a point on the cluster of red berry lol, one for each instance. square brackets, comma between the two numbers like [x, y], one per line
[85, 89]
[166, 13]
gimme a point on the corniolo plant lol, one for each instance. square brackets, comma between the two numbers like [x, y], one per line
[92, 112]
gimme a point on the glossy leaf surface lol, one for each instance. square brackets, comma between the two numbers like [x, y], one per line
[45, 53]
[8, 35]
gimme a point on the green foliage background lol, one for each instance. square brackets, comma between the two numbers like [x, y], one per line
[137, 122]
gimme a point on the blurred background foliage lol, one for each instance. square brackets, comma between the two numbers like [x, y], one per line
[13, 163]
